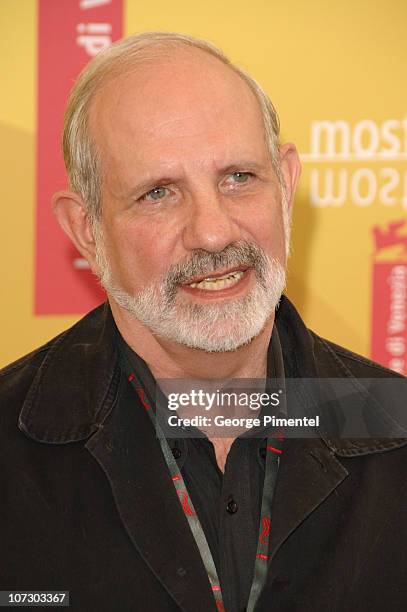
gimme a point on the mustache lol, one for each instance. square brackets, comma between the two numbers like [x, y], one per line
[203, 262]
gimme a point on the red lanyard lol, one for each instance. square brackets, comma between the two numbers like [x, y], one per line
[274, 450]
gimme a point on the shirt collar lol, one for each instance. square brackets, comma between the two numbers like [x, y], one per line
[179, 445]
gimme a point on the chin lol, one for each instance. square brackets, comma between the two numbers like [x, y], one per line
[220, 337]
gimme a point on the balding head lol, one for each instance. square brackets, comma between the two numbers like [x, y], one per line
[141, 54]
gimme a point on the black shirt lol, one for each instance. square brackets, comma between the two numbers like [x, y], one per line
[227, 504]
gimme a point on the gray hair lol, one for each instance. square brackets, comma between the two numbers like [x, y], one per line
[82, 161]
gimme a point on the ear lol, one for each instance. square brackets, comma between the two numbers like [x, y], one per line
[291, 170]
[72, 216]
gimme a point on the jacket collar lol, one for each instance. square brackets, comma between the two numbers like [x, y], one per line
[77, 383]
[308, 356]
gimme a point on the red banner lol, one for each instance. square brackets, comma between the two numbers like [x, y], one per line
[71, 32]
[389, 299]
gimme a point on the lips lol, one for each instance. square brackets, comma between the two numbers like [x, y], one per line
[216, 276]
[221, 282]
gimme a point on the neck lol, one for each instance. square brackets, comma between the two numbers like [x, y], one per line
[168, 359]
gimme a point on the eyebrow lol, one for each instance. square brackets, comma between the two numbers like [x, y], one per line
[150, 184]
[243, 166]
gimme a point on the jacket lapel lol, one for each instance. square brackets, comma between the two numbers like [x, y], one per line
[308, 473]
[129, 453]
[79, 391]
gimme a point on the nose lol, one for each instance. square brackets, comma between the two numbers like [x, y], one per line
[209, 223]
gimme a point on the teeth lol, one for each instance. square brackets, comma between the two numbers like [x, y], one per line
[216, 284]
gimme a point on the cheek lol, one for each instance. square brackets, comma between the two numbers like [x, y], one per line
[275, 238]
[140, 252]
[265, 226]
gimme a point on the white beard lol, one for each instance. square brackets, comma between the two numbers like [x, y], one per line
[210, 327]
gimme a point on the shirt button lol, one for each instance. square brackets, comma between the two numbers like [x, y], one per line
[176, 452]
[231, 506]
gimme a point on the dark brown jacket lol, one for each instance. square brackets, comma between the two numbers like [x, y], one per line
[87, 505]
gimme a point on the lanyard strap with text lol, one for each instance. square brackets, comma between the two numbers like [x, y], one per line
[274, 450]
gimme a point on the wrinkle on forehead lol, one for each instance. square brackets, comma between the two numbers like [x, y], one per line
[189, 105]
[160, 91]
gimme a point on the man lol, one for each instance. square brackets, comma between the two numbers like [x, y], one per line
[180, 199]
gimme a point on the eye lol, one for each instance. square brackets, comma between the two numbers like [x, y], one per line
[155, 194]
[241, 177]
[235, 179]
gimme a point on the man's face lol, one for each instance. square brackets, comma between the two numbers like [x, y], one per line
[192, 234]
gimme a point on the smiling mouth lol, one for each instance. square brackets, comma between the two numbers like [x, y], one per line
[217, 282]
[220, 282]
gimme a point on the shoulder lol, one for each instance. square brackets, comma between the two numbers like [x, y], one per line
[20, 373]
[348, 361]
[309, 355]
[17, 377]
[16, 381]
[59, 389]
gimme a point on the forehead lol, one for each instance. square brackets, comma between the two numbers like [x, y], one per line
[160, 110]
